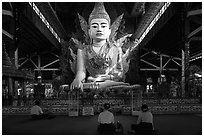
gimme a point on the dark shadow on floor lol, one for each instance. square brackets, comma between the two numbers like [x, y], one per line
[177, 124]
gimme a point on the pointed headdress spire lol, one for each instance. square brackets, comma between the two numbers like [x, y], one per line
[99, 12]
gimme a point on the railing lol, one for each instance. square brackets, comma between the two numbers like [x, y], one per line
[118, 105]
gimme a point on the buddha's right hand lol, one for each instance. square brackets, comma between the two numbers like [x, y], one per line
[76, 85]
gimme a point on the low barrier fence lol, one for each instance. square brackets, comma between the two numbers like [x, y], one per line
[118, 105]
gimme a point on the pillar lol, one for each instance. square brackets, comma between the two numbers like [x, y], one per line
[185, 52]
[16, 58]
[39, 66]
[183, 73]
[10, 86]
[161, 67]
[186, 68]
[16, 89]
[10, 90]
[24, 87]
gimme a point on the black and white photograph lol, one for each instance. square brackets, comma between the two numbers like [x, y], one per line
[101, 68]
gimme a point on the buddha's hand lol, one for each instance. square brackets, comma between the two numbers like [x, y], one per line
[78, 43]
[76, 85]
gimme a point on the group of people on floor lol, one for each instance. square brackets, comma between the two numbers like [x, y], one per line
[106, 120]
[108, 126]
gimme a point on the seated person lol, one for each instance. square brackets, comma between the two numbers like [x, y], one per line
[36, 111]
[106, 121]
[144, 122]
[102, 59]
[119, 128]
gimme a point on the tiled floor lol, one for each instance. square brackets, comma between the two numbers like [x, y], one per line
[178, 124]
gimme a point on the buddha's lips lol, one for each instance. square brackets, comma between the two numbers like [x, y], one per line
[99, 34]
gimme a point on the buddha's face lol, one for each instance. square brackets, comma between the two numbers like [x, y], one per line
[99, 29]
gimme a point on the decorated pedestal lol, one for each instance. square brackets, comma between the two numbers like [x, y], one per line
[136, 101]
[73, 108]
[88, 111]
[74, 105]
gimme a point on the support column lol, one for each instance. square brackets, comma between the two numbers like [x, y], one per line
[53, 75]
[187, 68]
[16, 58]
[10, 86]
[183, 73]
[161, 67]
[185, 51]
[10, 90]
[24, 88]
[16, 89]
[39, 66]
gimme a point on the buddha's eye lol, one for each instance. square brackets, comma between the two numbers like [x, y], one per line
[103, 26]
[94, 26]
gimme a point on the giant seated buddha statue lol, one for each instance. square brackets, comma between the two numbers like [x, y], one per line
[100, 61]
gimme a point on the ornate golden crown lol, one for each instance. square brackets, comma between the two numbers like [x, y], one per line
[100, 12]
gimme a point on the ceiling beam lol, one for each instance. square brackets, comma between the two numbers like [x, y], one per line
[176, 62]
[156, 53]
[150, 69]
[23, 62]
[50, 63]
[149, 63]
[166, 63]
[38, 21]
[154, 13]
[194, 12]
[33, 63]
[195, 38]
[195, 32]
[47, 69]
[7, 34]
[195, 56]
[51, 16]
[7, 12]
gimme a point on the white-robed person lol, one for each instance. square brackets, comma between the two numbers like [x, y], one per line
[106, 121]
